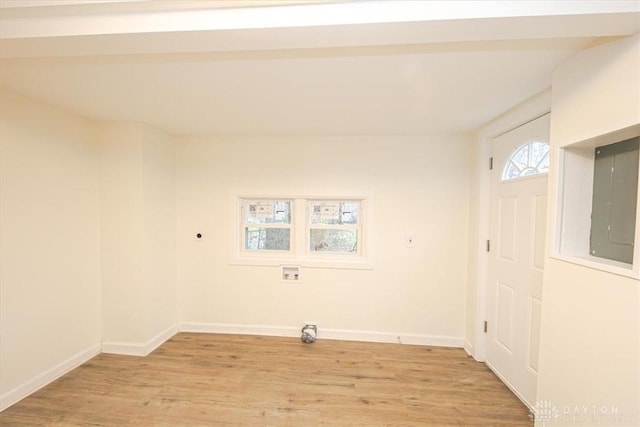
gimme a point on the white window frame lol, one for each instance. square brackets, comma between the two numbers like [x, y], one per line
[244, 206]
[300, 253]
[309, 226]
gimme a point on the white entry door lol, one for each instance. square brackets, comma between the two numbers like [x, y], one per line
[516, 255]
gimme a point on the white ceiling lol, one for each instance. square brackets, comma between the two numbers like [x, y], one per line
[310, 68]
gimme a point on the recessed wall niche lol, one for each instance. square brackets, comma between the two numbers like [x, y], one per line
[576, 204]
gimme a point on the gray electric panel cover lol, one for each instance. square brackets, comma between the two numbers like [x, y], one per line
[615, 191]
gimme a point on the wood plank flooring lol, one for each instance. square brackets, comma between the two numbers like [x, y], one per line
[241, 380]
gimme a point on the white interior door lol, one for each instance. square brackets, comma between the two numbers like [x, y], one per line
[516, 256]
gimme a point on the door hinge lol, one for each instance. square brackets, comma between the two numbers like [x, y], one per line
[485, 326]
[488, 245]
[490, 163]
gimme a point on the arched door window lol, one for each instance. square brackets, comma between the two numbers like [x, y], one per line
[531, 158]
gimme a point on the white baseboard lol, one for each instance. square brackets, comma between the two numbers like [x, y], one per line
[224, 328]
[468, 347]
[139, 349]
[48, 376]
[509, 386]
[331, 334]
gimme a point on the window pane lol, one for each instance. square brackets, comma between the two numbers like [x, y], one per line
[268, 212]
[531, 158]
[511, 171]
[521, 157]
[323, 240]
[334, 212]
[269, 239]
[543, 166]
[538, 151]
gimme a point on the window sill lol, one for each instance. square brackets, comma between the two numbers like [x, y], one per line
[602, 264]
[347, 264]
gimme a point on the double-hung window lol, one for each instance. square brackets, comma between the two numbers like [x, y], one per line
[333, 227]
[267, 225]
[308, 231]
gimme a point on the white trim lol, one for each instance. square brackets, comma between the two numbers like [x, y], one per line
[243, 207]
[602, 264]
[139, 349]
[330, 334]
[510, 387]
[223, 328]
[570, 225]
[302, 262]
[20, 392]
[534, 107]
[143, 18]
[390, 337]
[468, 347]
[298, 254]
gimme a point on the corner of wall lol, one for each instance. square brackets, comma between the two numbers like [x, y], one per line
[589, 346]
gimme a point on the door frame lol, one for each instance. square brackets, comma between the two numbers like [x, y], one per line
[480, 230]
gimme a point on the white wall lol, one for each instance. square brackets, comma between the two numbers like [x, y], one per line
[50, 250]
[138, 237]
[89, 239]
[158, 222]
[418, 184]
[590, 350]
[121, 205]
[88, 226]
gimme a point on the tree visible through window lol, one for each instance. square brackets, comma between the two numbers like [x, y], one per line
[267, 225]
[315, 231]
[333, 226]
[531, 158]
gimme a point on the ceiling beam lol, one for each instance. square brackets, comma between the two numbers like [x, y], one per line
[94, 19]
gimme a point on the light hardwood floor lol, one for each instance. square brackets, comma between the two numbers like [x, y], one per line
[241, 380]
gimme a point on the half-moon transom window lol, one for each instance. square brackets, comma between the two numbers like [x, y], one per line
[528, 159]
